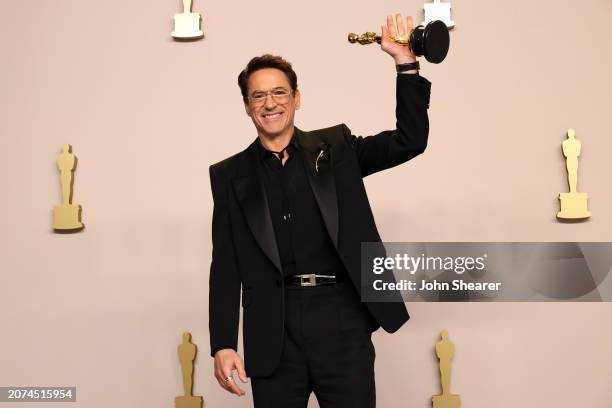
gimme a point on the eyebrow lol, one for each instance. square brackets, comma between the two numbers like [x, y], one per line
[273, 89]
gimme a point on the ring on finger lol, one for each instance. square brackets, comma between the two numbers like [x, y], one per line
[228, 378]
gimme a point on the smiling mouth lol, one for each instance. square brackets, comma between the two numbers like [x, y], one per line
[272, 116]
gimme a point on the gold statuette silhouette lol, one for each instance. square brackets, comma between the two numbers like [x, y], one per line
[445, 350]
[187, 24]
[573, 204]
[67, 216]
[187, 353]
[438, 11]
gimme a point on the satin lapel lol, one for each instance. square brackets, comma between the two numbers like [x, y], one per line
[254, 203]
[321, 180]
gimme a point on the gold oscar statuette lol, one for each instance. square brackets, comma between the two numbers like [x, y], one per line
[187, 24]
[187, 353]
[445, 350]
[67, 216]
[430, 41]
[371, 37]
[573, 204]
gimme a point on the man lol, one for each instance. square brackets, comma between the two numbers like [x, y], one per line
[290, 213]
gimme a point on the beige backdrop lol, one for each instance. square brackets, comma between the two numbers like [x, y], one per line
[104, 309]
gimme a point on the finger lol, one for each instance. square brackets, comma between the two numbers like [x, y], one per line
[231, 384]
[410, 23]
[241, 371]
[400, 25]
[235, 388]
[390, 26]
[222, 382]
[227, 385]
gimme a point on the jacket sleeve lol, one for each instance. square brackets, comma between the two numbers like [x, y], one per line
[224, 284]
[392, 147]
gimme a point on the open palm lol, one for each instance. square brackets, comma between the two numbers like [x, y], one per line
[401, 53]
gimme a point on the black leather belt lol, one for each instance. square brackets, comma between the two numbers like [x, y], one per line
[311, 279]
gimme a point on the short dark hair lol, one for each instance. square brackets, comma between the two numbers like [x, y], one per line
[265, 61]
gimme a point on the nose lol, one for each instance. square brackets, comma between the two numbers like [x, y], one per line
[269, 103]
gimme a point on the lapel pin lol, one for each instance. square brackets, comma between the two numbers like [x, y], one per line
[324, 147]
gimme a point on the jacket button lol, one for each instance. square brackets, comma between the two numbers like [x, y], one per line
[278, 282]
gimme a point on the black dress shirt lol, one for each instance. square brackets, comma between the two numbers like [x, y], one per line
[304, 244]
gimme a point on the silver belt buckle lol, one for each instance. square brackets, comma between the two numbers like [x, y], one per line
[308, 280]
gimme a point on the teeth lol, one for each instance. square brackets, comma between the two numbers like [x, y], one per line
[272, 115]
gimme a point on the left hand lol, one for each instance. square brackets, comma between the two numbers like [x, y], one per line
[402, 54]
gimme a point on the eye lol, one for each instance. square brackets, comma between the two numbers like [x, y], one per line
[258, 95]
[280, 92]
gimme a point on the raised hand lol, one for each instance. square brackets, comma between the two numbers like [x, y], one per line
[402, 54]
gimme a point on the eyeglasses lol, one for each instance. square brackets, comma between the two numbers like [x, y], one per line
[279, 95]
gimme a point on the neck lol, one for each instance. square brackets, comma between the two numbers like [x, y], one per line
[277, 142]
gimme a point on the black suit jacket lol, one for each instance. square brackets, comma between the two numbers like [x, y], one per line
[245, 253]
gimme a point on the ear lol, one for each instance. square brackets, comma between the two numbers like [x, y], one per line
[297, 99]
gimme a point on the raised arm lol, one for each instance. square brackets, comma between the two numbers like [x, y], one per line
[409, 139]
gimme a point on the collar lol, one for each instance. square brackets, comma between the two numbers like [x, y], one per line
[262, 152]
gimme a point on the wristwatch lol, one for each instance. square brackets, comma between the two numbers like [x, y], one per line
[407, 67]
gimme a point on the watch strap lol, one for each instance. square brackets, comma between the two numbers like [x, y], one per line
[407, 67]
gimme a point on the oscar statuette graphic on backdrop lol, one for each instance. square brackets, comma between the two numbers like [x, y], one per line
[445, 349]
[187, 24]
[573, 204]
[67, 216]
[438, 11]
[187, 352]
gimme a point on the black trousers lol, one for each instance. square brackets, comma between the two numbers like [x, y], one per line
[327, 349]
